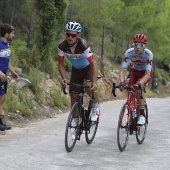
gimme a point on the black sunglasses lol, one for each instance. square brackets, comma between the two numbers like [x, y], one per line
[71, 35]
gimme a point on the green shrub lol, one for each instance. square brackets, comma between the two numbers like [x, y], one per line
[11, 100]
[36, 77]
[164, 81]
[18, 52]
[59, 99]
[51, 68]
[17, 99]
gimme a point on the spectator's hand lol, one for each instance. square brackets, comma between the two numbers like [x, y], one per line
[15, 75]
[137, 86]
[3, 77]
[64, 83]
[122, 85]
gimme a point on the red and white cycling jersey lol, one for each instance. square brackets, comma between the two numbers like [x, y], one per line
[82, 55]
[142, 63]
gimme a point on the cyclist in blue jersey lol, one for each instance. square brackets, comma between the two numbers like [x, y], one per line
[84, 67]
[141, 59]
[7, 33]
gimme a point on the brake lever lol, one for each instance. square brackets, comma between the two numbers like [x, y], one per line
[64, 90]
[113, 90]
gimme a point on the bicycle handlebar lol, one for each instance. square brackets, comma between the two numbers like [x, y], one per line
[128, 88]
[78, 85]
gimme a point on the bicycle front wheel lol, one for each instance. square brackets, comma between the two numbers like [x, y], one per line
[122, 128]
[91, 129]
[72, 129]
[141, 130]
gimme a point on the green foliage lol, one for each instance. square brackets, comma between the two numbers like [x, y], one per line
[19, 53]
[10, 104]
[23, 57]
[17, 99]
[59, 99]
[162, 75]
[50, 13]
[36, 77]
[51, 67]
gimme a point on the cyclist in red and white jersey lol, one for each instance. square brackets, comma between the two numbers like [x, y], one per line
[84, 66]
[141, 73]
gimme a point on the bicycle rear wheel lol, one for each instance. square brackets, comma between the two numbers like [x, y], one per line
[92, 129]
[141, 130]
[72, 129]
[122, 128]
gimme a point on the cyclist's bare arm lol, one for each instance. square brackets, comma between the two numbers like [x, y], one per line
[61, 69]
[146, 77]
[122, 75]
[94, 73]
[13, 73]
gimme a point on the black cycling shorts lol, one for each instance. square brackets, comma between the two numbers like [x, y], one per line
[78, 76]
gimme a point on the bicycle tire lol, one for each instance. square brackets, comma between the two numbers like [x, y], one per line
[70, 129]
[91, 132]
[141, 130]
[122, 128]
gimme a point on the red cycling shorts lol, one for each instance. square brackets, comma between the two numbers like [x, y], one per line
[136, 75]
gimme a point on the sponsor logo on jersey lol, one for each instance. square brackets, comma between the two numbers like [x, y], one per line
[139, 62]
[149, 62]
[74, 56]
[125, 59]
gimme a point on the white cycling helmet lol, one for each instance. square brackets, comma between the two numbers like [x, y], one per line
[73, 26]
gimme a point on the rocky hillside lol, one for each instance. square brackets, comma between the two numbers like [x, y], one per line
[45, 111]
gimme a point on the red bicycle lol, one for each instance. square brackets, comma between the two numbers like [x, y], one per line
[127, 122]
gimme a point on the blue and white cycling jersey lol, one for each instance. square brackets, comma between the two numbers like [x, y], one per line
[82, 55]
[142, 63]
[5, 53]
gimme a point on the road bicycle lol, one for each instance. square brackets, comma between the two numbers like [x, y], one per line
[84, 123]
[127, 122]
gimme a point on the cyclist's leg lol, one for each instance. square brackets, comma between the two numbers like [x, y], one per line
[74, 91]
[142, 102]
[133, 78]
[96, 106]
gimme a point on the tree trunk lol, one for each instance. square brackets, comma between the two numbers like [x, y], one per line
[102, 52]
[122, 49]
[31, 30]
[1, 10]
[116, 49]
[153, 75]
[12, 14]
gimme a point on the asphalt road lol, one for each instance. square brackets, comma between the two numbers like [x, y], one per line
[40, 146]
